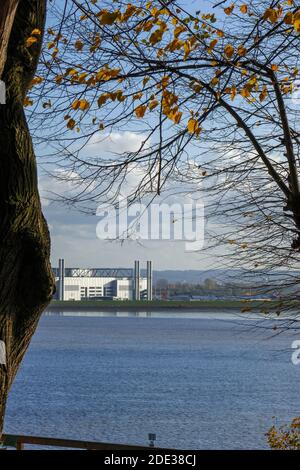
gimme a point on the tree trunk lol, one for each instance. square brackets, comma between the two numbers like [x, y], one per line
[26, 280]
[7, 15]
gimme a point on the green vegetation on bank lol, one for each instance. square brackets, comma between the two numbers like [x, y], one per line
[162, 304]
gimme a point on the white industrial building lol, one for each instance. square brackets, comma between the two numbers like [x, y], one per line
[103, 283]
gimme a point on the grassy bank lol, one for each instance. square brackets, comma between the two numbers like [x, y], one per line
[161, 305]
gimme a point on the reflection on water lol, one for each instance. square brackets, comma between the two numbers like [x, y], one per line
[184, 314]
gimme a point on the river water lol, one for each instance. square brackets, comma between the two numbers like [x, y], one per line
[198, 380]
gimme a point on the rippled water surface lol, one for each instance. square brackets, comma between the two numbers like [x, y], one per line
[199, 381]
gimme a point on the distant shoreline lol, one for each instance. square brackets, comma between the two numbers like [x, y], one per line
[115, 305]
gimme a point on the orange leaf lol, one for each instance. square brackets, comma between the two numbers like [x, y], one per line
[193, 126]
[71, 124]
[229, 10]
[153, 104]
[263, 95]
[29, 41]
[78, 45]
[241, 50]
[229, 51]
[140, 111]
[108, 18]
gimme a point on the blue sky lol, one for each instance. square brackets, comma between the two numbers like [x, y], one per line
[74, 237]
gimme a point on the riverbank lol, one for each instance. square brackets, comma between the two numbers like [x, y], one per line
[162, 305]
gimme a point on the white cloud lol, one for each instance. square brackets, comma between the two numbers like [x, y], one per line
[62, 183]
[115, 142]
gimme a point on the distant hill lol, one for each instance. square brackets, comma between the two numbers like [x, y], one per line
[220, 275]
[195, 276]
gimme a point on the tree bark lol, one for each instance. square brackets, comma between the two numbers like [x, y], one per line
[26, 279]
[7, 16]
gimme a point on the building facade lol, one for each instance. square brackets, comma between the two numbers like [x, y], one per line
[101, 283]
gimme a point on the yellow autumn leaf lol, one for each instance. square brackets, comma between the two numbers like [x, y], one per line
[193, 126]
[29, 41]
[241, 50]
[229, 10]
[229, 51]
[27, 101]
[233, 93]
[244, 9]
[187, 49]
[102, 99]
[165, 81]
[220, 33]
[71, 71]
[75, 104]
[274, 67]
[108, 18]
[137, 96]
[130, 11]
[297, 25]
[116, 95]
[213, 43]
[253, 81]
[140, 111]
[55, 52]
[120, 96]
[264, 93]
[78, 45]
[174, 45]
[106, 74]
[36, 31]
[289, 18]
[152, 104]
[197, 88]
[146, 80]
[84, 105]
[148, 25]
[82, 77]
[71, 124]
[271, 15]
[245, 93]
[175, 116]
[156, 37]
[36, 81]
[178, 30]
[154, 11]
